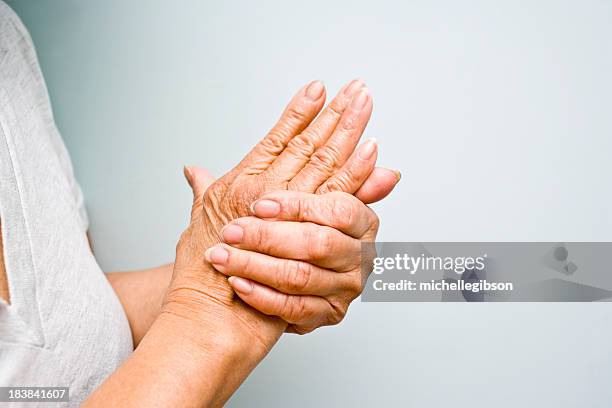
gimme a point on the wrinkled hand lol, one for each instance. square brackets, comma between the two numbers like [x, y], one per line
[302, 259]
[299, 153]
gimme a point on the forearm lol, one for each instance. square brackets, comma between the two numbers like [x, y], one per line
[181, 362]
[141, 293]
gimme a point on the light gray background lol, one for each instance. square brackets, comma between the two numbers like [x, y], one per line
[497, 114]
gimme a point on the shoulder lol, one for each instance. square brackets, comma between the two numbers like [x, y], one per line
[14, 37]
[10, 24]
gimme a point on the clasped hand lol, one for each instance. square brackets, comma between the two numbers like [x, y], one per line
[286, 224]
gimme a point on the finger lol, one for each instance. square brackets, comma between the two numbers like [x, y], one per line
[354, 172]
[199, 179]
[302, 241]
[378, 185]
[300, 149]
[327, 159]
[311, 311]
[298, 114]
[337, 210]
[285, 275]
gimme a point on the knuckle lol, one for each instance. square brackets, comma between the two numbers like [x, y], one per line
[295, 207]
[214, 192]
[297, 275]
[325, 159]
[297, 113]
[320, 242]
[344, 210]
[374, 222]
[240, 195]
[336, 313]
[261, 236]
[273, 142]
[293, 308]
[340, 182]
[326, 188]
[303, 145]
[355, 286]
[349, 123]
[308, 208]
[368, 254]
[244, 261]
[212, 201]
[299, 207]
[335, 109]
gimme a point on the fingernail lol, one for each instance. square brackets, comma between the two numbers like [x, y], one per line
[314, 90]
[367, 149]
[360, 100]
[232, 234]
[266, 208]
[353, 86]
[188, 175]
[216, 255]
[398, 175]
[241, 285]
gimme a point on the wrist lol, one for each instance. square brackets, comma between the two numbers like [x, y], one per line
[209, 307]
[201, 341]
[187, 364]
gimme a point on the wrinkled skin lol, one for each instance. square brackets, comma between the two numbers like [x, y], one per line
[300, 259]
[293, 158]
[298, 154]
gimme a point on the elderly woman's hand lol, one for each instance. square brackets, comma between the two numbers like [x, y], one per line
[302, 259]
[300, 153]
[297, 154]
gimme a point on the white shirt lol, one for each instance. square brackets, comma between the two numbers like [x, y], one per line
[64, 326]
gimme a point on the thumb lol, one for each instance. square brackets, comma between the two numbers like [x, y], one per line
[199, 180]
